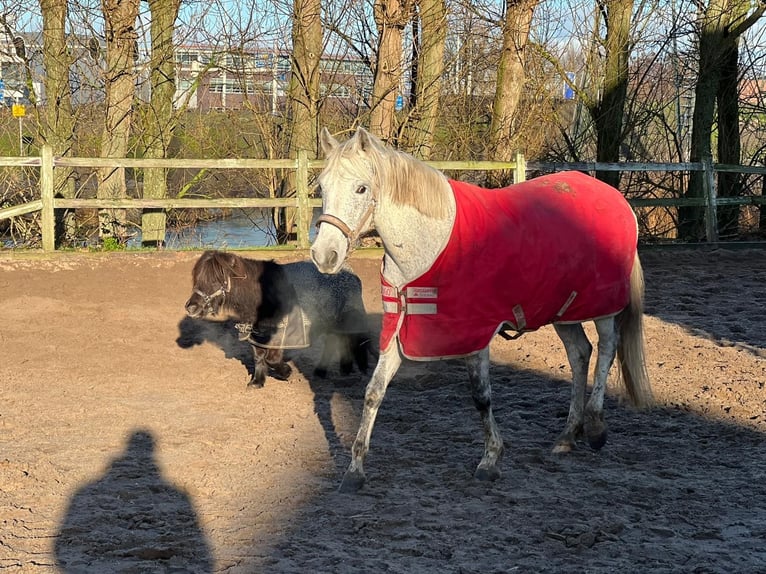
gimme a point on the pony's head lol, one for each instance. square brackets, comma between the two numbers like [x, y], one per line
[211, 282]
[361, 174]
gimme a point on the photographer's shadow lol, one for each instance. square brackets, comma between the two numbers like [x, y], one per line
[132, 520]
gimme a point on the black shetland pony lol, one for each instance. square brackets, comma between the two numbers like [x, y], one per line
[283, 306]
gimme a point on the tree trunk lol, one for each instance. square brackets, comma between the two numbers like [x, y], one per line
[159, 119]
[426, 89]
[391, 16]
[721, 26]
[304, 102]
[57, 121]
[510, 85]
[608, 115]
[691, 219]
[119, 83]
[729, 145]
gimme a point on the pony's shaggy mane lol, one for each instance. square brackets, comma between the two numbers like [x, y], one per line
[399, 176]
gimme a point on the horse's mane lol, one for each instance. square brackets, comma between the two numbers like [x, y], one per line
[404, 179]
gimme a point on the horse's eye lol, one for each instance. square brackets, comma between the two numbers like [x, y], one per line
[361, 189]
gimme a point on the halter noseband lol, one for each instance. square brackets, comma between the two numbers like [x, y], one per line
[352, 235]
[220, 292]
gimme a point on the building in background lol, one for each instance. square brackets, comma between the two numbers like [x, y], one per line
[213, 79]
[15, 76]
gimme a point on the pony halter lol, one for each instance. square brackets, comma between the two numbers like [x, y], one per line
[220, 292]
[352, 235]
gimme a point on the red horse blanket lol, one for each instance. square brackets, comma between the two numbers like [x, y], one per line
[558, 248]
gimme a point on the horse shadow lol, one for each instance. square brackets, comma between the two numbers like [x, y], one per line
[222, 334]
[325, 389]
[132, 519]
[423, 511]
[710, 293]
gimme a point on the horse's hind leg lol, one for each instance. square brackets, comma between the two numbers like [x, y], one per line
[608, 337]
[481, 391]
[578, 350]
[388, 364]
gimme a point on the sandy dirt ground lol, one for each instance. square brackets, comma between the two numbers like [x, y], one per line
[129, 442]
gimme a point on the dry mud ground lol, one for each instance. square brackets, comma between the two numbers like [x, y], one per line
[129, 441]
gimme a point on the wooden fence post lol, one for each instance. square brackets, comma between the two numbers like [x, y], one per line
[520, 171]
[47, 219]
[302, 193]
[711, 213]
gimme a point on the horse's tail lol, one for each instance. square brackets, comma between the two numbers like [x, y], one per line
[630, 351]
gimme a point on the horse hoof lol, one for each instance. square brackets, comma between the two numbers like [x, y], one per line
[253, 384]
[563, 447]
[597, 441]
[282, 372]
[486, 474]
[352, 482]
[346, 368]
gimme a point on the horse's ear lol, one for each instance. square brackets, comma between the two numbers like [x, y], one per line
[327, 141]
[237, 266]
[365, 141]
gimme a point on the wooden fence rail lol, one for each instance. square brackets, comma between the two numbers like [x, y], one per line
[304, 203]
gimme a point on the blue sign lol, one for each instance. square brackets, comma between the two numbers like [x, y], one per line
[2, 90]
[399, 106]
[569, 93]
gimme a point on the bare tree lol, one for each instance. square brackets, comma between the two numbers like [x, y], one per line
[510, 79]
[610, 107]
[721, 26]
[304, 99]
[57, 120]
[119, 80]
[391, 18]
[159, 118]
[426, 74]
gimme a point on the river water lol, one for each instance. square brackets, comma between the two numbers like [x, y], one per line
[244, 229]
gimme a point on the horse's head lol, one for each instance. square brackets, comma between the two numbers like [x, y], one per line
[350, 189]
[211, 283]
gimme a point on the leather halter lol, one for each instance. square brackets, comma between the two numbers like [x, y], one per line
[220, 292]
[352, 235]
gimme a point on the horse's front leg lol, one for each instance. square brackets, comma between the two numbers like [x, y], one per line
[388, 364]
[481, 391]
[578, 350]
[261, 368]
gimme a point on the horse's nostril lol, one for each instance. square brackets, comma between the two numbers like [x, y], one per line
[192, 309]
[329, 261]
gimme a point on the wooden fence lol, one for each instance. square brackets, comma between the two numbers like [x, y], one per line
[304, 203]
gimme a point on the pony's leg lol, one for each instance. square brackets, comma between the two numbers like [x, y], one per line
[275, 360]
[608, 338]
[328, 346]
[360, 349]
[481, 391]
[385, 370]
[345, 355]
[261, 368]
[578, 350]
